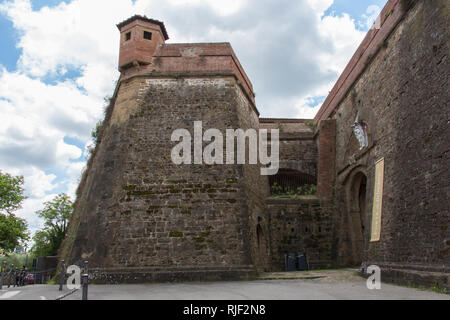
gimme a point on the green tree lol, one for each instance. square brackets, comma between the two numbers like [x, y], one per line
[56, 214]
[13, 230]
[95, 132]
[11, 193]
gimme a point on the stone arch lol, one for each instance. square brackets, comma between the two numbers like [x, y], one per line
[262, 248]
[305, 166]
[290, 179]
[357, 218]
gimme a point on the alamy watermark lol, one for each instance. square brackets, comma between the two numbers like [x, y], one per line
[374, 280]
[235, 147]
[74, 280]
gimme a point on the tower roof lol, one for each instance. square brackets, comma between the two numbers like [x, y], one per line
[144, 18]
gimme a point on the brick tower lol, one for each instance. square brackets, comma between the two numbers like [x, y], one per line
[139, 39]
[138, 216]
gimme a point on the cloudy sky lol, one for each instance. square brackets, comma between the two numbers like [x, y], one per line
[58, 60]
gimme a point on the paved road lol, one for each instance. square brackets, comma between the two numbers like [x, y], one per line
[317, 289]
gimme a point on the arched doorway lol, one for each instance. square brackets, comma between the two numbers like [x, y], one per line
[362, 203]
[357, 216]
[262, 246]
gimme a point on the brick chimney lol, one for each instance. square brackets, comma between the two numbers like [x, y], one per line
[139, 39]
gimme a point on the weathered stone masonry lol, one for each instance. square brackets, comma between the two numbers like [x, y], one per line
[300, 225]
[397, 85]
[138, 217]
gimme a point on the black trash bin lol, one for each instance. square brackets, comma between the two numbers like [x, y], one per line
[290, 262]
[302, 263]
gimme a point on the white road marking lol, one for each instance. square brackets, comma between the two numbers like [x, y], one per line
[43, 298]
[9, 294]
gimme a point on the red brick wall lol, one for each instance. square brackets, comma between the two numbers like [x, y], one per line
[327, 156]
[195, 58]
[138, 48]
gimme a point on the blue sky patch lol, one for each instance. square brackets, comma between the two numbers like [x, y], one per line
[77, 143]
[9, 54]
[71, 74]
[356, 9]
[39, 4]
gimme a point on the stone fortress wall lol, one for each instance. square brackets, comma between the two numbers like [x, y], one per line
[397, 86]
[138, 217]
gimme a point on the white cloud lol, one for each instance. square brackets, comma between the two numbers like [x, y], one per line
[221, 7]
[291, 50]
[28, 212]
[320, 6]
[341, 32]
[307, 109]
[35, 113]
[372, 13]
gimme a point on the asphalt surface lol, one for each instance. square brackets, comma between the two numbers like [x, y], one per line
[337, 286]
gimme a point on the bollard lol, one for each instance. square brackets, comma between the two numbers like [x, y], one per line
[2, 274]
[85, 281]
[19, 278]
[22, 278]
[62, 276]
[15, 278]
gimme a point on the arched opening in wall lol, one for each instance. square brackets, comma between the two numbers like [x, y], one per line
[261, 242]
[357, 227]
[362, 203]
[289, 181]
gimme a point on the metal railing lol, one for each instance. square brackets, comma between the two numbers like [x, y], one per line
[84, 280]
[17, 278]
[289, 180]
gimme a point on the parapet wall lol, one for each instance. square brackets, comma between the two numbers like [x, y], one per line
[194, 59]
[298, 150]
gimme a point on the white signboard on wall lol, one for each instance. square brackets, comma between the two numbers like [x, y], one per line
[377, 201]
